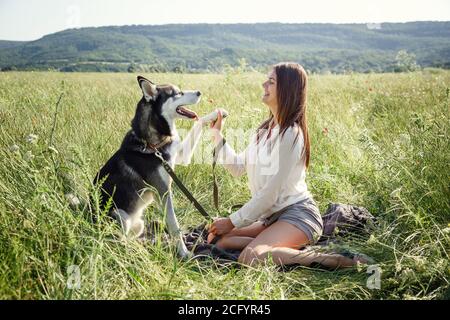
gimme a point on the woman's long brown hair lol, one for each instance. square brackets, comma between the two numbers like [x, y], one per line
[291, 97]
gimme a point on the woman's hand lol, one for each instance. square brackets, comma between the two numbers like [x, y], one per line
[210, 238]
[216, 128]
[221, 226]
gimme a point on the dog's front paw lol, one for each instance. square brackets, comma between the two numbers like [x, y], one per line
[182, 252]
[185, 255]
[213, 116]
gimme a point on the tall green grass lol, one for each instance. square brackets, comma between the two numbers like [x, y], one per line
[379, 141]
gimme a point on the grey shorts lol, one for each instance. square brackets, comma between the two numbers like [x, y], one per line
[304, 215]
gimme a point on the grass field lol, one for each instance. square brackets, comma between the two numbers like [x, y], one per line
[381, 141]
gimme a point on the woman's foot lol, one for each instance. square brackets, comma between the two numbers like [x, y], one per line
[363, 259]
[347, 262]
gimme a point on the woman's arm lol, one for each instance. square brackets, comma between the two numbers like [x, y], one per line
[186, 148]
[285, 155]
[234, 163]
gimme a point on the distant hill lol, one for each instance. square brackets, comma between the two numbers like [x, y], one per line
[211, 47]
[10, 44]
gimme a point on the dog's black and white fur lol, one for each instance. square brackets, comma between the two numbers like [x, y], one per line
[127, 174]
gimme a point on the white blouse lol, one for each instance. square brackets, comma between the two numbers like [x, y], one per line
[276, 173]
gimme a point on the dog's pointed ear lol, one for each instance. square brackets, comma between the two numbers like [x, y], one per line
[148, 88]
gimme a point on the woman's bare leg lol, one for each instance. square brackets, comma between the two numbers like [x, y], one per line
[281, 241]
[287, 256]
[252, 230]
[235, 243]
[249, 233]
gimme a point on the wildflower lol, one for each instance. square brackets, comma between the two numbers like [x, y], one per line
[405, 138]
[73, 200]
[27, 224]
[325, 131]
[28, 156]
[355, 107]
[407, 274]
[14, 148]
[31, 138]
[408, 296]
[371, 239]
[420, 264]
[43, 198]
[359, 266]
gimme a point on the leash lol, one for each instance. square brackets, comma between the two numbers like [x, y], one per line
[215, 187]
[180, 185]
[188, 194]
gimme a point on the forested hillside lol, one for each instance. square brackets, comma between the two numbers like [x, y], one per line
[320, 48]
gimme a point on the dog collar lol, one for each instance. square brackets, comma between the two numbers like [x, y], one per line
[166, 140]
[150, 147]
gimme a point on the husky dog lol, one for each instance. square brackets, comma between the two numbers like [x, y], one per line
[127, 175]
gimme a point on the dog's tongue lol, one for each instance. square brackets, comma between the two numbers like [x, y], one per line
[186, 112]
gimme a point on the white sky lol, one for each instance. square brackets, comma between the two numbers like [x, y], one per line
[31, 19]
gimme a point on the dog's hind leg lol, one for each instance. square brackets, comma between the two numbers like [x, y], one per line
[137, 227]
[131, 226]
[174, 228]
[124, 219]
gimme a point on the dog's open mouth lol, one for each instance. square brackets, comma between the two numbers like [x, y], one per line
[186, 112]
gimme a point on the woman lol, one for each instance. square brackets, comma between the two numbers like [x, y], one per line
[281, 216]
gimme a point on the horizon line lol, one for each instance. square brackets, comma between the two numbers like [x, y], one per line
[227, 23]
